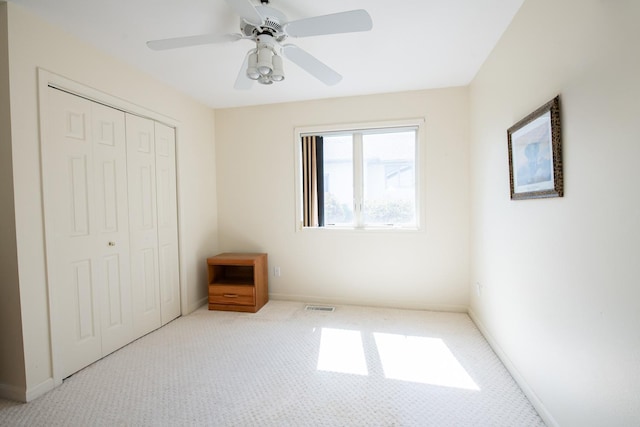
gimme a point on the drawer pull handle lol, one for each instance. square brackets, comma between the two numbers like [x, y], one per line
[230, 295]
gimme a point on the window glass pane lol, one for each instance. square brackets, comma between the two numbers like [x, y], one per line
[338, 180]
[389, 178]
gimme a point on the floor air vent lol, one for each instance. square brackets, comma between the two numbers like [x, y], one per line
[319, 308]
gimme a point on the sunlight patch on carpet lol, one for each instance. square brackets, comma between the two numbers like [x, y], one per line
[421, 359]
[342, 351]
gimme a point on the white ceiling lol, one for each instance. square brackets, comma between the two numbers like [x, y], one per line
[414, 44]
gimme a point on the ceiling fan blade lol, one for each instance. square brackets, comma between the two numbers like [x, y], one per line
[344, 22]
[242, 81]
[187, 41]
[246, 10]
[311, 65]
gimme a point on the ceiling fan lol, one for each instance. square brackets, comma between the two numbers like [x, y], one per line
[269, 28]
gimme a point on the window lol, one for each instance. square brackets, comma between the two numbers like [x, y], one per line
[363, 178]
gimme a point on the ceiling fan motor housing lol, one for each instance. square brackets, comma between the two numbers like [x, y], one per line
[272, 24]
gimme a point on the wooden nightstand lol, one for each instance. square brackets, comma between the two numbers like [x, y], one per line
[238, 281]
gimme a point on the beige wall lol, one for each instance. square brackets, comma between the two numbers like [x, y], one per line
[12, 378]
[428, 269]
[560, 293]
[32, 44]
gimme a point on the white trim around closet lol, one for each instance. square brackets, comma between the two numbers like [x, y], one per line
[49, 79]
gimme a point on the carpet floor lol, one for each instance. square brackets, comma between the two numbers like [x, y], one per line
[288, 366]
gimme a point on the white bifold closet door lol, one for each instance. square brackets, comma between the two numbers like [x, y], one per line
[111, 226]
[167, 209]
[153, 219]
[88, 246]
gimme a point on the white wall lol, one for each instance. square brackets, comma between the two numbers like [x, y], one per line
[255, 166]
[11, 350]
[33, 43]
[561, 297]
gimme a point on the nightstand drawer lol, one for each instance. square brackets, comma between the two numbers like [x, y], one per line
[232, 294]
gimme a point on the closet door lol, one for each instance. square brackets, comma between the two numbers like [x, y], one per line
[86, 227]
[141, 160]
[167, 222]
[112, 226]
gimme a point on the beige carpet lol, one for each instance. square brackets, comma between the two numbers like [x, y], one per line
[287, 366]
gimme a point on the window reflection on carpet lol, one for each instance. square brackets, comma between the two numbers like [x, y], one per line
[416, 359]
[342, 351]
[421, 359]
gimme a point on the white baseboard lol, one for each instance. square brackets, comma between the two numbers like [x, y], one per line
[9, 392]
[369, 303]
[526, 389]
[40, 389]
[19, 394]
[196, 305]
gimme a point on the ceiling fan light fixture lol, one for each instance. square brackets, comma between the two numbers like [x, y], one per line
[252, 66]
[265, 80]
[277, 75]
[265, 63]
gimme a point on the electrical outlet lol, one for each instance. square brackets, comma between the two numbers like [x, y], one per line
[276, 271]
[478, 288]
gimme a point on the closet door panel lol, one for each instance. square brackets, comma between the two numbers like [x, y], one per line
[167, 222]
[143, 224]
[68, 198]
[112, 229]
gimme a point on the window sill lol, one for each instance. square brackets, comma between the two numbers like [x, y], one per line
[343, 229]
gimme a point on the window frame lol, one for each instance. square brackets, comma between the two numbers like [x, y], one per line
[362, 128]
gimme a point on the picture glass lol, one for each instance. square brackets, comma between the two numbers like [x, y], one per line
[533, 157]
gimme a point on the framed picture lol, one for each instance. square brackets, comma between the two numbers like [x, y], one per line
[535, 154]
